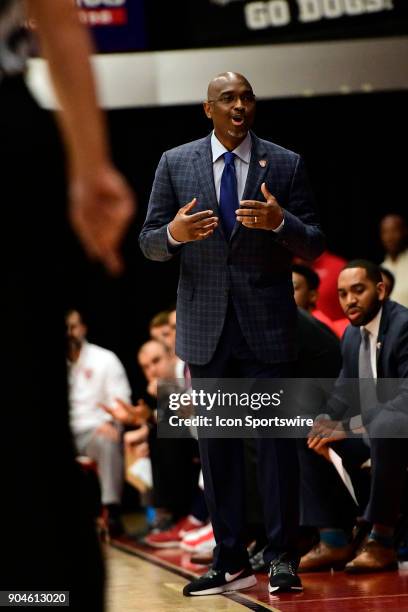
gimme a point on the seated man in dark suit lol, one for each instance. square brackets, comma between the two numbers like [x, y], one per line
[374, 347]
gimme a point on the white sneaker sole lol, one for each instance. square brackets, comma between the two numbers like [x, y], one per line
[278, 588]
[235, 585]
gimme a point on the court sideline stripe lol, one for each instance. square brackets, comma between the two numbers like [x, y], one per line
[239, 598]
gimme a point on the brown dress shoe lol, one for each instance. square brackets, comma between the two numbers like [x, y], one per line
[373, 558]
[202, 558]
[324, 557]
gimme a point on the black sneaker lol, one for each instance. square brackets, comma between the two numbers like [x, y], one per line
[283, 575]
[219, 581]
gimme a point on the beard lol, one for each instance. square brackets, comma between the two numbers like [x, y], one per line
[369, 314]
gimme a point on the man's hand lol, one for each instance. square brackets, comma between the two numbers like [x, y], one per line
[197, 226]
[152, 387]
[323, 433]
[127, 413]
[101, 208]
[136, 436]
[108, 430]
[260, 215]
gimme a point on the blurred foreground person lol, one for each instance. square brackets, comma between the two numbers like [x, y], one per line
[48, 535]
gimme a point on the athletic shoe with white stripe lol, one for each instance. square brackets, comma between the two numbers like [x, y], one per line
[283, 575]
[219, 581]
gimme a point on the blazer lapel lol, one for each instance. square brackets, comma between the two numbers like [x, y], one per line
[204, 168]
[381, 337]
[353, 357]
[256, 174]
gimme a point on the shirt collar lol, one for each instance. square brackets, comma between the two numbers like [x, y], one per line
[373, 326]
[243, 150]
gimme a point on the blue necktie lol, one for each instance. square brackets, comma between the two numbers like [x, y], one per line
[228, 194]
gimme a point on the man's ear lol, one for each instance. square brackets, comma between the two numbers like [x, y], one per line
[207, 109]
[313, 296]
[381, 291]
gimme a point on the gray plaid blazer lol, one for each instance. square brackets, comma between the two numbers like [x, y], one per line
[253, 268]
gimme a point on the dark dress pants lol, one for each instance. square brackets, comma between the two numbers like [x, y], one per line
[325, 501]
[222, 462]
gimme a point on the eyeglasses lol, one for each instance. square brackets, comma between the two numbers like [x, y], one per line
[230, 98]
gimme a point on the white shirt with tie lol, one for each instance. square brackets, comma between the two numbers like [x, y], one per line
[373, 328]
[241, 161]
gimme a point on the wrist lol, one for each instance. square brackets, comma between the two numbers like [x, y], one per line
[174, 234]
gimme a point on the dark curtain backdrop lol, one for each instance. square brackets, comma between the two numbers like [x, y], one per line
[355, 150]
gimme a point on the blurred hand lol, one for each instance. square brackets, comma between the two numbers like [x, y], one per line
[323, 433]
[101, 208]
[141, 412]
[152, 387]
[120, 411]
[197, 226]
[260, 215]
[127, 413]
[136, 436]
[142, 450]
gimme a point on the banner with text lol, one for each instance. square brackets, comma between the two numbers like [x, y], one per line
[131, 25]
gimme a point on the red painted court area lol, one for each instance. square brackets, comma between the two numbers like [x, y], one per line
[323, 592]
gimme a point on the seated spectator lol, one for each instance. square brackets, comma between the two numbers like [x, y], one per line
[327, 266]
[375, 346]
[306, 286]
[96, 376]
[394, 237]
[388, 280]
[160, 329]
[174, 461]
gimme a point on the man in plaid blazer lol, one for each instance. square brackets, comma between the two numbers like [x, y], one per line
[236, 316]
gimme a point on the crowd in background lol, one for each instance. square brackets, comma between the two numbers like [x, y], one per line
[119, 433]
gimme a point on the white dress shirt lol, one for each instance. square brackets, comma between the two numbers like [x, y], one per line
[241, 161]
[97, 377]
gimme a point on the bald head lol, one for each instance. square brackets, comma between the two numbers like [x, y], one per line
[231, 108]
[221, 81]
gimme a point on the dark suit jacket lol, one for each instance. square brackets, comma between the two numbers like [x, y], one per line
[319, 349]
[253, 267]
[392, 364]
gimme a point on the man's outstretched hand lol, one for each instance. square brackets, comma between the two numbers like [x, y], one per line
[187, 227]
[260, 215]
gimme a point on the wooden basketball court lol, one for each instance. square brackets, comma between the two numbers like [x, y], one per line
[142, 579]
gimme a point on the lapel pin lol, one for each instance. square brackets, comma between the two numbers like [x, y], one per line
[262, 163]
[378, 346]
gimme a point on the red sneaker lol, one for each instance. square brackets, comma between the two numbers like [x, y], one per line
[173, 536]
